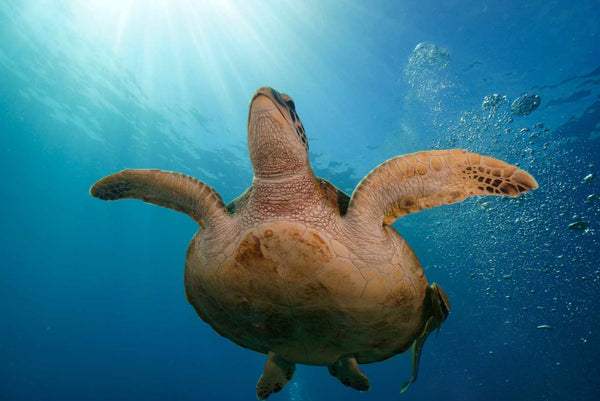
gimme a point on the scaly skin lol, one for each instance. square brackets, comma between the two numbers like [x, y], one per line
[295, 268]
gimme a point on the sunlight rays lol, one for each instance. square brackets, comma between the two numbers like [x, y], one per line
[124, 17]
[211, 55]
[224, 37]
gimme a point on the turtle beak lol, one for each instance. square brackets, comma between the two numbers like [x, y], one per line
[266, 102]
[265, 99]
[261, 103]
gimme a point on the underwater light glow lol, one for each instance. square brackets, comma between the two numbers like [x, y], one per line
[115, 19]
[184, 40]
[176, 49]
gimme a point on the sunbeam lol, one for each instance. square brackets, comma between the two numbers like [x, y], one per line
[213, 40]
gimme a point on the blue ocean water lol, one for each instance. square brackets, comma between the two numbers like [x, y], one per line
[92, 301]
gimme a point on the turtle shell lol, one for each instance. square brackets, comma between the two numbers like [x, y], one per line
[292, 289]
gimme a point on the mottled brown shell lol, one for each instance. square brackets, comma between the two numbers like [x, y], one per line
[296, 291]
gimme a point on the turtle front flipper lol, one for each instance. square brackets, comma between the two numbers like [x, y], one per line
[410, 183]
[346, 371]
[277, 373]
[167, 189]
[435, 310]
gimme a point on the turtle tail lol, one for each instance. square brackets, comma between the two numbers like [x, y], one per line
[175, 191]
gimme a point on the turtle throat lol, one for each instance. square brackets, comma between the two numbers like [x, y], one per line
[276, 139]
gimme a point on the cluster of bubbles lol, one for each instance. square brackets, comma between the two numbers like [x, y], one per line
[424, 71]
[430, 56]
[544, 232]
[521, 106]
[525, 104]
[531, 260]
[491, 103]
[526, 243]
[294, 391]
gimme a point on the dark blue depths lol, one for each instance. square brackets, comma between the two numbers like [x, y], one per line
[92, 299]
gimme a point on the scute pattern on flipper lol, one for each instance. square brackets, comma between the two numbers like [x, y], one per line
[407, 184]
[175, 191]
[495, 177]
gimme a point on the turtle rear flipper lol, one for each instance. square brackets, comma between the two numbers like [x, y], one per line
[277, 373]
[167, 189]
[436, 310]
[346, 371]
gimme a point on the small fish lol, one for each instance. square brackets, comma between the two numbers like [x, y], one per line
[589, 178]
[544, 327]
[592, 198]
[578, 225]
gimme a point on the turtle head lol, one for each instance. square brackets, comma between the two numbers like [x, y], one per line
[276, 138]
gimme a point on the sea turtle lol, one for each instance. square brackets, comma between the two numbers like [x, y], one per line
[295, 268]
